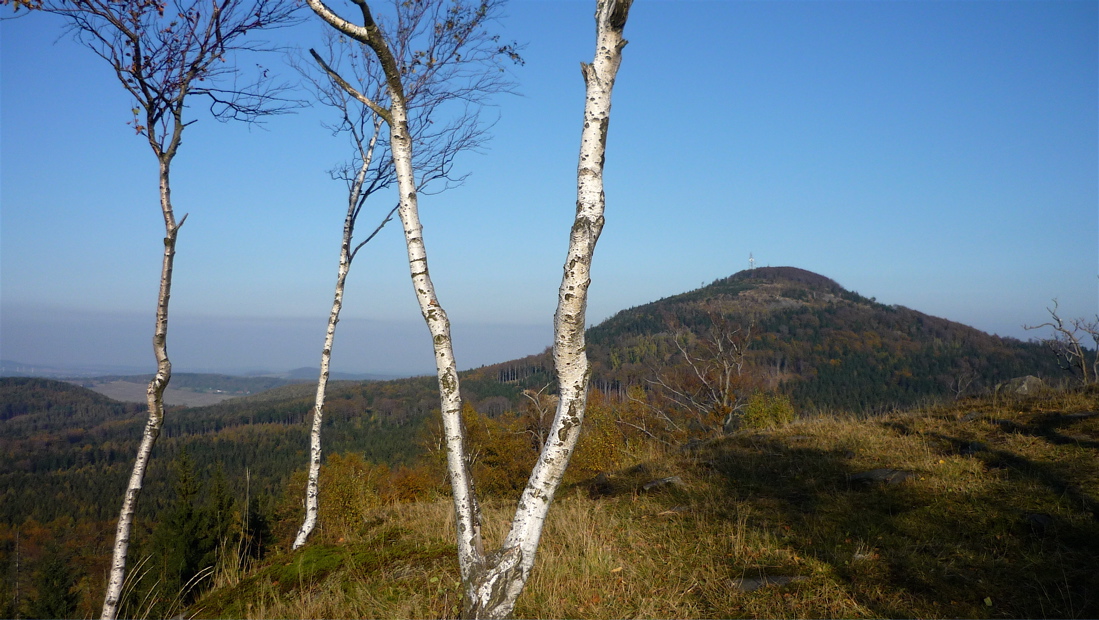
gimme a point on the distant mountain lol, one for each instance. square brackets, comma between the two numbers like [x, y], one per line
[826, 346]
[307, 373]
[12, 368]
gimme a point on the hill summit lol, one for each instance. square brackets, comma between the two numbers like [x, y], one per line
[826, 346]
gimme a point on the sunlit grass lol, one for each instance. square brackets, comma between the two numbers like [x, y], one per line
[998, 519]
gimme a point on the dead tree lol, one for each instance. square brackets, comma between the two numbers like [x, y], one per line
[165, 55]
[1067, 346]
[493, 580]
[712, 383]
[348, 66]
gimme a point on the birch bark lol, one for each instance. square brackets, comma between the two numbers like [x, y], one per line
[569, 356]
[493, 581]
[155, 390]
[401, 146]
[438, 140]
[160, 59]
[347, 254]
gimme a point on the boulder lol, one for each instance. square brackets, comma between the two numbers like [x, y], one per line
[1023, 386]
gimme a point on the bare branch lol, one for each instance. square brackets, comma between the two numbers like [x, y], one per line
[1066, 345]
[380, 111]
[164, 55]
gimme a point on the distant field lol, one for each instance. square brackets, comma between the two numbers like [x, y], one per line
[129, 392]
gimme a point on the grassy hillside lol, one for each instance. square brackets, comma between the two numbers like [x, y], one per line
[985, 508]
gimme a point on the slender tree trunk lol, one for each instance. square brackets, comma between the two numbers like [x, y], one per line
[468, 518]
[494, 581]
[347, 254]
[500, 584]
[154, 396]
[311, 491]
[468, 514]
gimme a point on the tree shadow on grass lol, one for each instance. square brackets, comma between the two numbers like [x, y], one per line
[932, 545]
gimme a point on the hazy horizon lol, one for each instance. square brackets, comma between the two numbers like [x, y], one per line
[241, 345]
[943, 156]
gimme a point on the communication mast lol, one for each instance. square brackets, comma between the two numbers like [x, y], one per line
[751, 261]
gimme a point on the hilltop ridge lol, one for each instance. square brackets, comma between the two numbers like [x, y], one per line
[824, 345]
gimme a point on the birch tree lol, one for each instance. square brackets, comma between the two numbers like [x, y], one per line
[371, 170]
[165, 55]
[493, 580]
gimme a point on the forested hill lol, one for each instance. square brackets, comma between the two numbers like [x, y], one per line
[64, 448]
[806, 336]
[66, 452]
[825, 346]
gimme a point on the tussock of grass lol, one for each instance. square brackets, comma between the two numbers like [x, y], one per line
[1000, 519]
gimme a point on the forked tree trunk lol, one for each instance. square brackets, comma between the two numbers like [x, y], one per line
[154, 397]
[493, 581]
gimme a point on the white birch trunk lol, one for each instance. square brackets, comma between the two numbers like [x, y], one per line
[570, 359]
[312, 489]
[155, 400]
[312, 486]
[467, 512]
[468, 519]
[493, 582]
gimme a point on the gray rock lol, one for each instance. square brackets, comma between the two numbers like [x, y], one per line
[1022, 386]
[972, 415]
[670, 481]
[884, 475]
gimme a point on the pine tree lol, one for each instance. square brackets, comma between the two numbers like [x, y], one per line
[53, 583]
[181, 539]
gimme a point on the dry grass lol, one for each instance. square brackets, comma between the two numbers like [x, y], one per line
[999, 519]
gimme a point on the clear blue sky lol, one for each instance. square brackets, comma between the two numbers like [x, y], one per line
[938, 155]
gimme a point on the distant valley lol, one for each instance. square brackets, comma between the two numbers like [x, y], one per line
[67, 450]
[186, 389]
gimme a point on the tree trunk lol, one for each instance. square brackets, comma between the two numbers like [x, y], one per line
[311, 490]
[501, 582]
[155, 399]
[355, 201]
[468, 513]
[493, 582]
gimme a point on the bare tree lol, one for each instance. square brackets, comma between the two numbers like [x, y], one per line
[371, 169]
[494, 580]
[712, 384]
[1067, 346]
[165, 55]
[540, 407]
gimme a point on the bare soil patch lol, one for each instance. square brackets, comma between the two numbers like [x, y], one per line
[129, 392]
